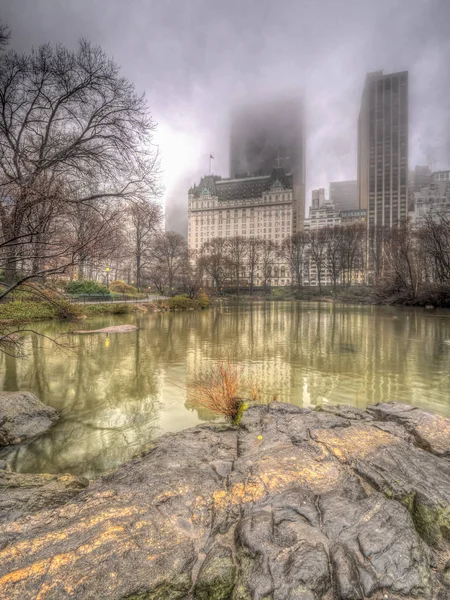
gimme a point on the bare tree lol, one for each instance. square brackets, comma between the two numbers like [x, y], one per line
[334, 261]
[237, 252]
[168, 257]
[215, 262]
[145, 220]
[255, 250]
[191, 279]
[293, 251]
[353, 250]
[376, 237]
[67, 119]
[318, 252]
[434, 238]
[5, 35]
[269, 257]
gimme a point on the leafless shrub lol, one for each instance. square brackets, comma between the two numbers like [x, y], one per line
[218, 390]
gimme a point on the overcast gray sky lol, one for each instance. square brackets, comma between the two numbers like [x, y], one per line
[193, 57]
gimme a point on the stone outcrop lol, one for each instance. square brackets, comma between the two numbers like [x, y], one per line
[23, 416]
[295, 504]
[112, 329]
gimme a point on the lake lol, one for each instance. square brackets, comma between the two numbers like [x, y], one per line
[116, 393]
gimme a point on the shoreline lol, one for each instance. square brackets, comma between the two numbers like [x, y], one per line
[30, 312]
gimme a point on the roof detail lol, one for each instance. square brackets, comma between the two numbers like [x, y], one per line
[245, 187]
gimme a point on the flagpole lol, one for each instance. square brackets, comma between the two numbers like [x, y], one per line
[210, 164]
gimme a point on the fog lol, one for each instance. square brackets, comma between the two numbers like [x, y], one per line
[196, 58]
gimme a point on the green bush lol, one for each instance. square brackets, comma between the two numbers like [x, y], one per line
[120, 287]
[182, 303]
[87, 287]
[36, 311]
[109, 309]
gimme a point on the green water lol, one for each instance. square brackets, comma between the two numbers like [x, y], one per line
[117, 393]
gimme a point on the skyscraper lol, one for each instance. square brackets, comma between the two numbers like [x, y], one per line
[344, 194]
[383, 148]
[270, 134]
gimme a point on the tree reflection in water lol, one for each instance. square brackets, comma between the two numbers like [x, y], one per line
[117, 393]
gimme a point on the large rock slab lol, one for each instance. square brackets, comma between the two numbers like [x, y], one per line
[23, 493]
[23, 416]
[295, 504]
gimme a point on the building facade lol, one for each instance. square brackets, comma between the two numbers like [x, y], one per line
[270, 134]
[317, 198]
[383, 149]
[344, 194]
[252, 207]
[324, 215]
[432, 200]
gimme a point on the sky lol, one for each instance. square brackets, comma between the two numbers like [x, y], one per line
[194, 59]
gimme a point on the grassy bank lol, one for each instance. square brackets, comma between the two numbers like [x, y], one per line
[25, 312]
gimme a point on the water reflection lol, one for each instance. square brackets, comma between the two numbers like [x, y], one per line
[116, 393]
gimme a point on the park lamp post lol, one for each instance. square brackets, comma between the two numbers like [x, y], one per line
[107, 276]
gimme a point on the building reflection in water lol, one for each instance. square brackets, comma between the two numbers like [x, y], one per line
[116, 393]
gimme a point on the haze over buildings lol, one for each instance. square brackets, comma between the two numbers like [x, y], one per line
[269, 134]
[195, 58]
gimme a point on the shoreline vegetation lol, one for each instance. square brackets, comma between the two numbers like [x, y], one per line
[19, 311]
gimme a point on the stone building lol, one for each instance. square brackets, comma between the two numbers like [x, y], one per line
[252, 207]
[432, 200]
[325, 215]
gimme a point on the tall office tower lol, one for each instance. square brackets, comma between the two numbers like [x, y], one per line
[344, 194]
[270, 134]
[383, 148]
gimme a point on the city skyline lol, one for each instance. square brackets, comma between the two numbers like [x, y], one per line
[197, 64]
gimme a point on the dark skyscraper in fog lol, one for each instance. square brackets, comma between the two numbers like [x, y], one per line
[269, 134]
[383, 148]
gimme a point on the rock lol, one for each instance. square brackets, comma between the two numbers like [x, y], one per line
[430, 431]
[296, 504]
[22, 493]
[23, 416]
[112, 329]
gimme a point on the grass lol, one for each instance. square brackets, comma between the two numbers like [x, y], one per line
[25, 311]
[223, 391]
[20, 312]
[218, 391]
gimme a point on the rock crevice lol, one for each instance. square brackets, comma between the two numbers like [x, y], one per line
[295, 504]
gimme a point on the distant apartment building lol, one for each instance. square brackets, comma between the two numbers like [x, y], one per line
[268, 134]
[324, 215]
[252, 207]
[317, 198]
[344, 194]
[419, 177]
[358, 215]
[440, 176]
[383, 148]
[432, 200]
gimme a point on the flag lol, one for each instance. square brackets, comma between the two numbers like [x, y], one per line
[211, 156]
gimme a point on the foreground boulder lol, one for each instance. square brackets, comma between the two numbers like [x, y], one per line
[23, 416]
[296, 504]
